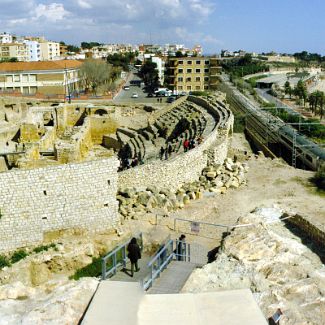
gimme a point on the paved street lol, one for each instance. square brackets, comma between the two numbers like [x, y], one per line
[125, 96]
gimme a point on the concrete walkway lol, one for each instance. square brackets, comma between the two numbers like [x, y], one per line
[125, 275]
[124, 303]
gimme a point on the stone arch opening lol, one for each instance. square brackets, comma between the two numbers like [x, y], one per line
[101, 112]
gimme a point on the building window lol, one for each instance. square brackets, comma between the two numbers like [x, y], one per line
[198, 70]
[189, 79]
[25, 78]
[180, 70]
[198, 62]
[197, 87]
[180, 79]
[189, 87]
[206, 78]
[33, 90]
[197, 79]
[206, 70]
[206, 87]
[207, 62]
[180, 87]
[8, 78]
[189, 62]
[189, 70]
[17, 78]
[180, 62]
[32, 77]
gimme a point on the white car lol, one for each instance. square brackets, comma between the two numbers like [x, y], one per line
[135, 95]
[126, 87]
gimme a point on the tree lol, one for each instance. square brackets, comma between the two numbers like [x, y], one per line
[73, 48]
[95, 73]
[149, 74]
[287, 88]
[301, 91]
[86, 45]
[121, 60]
[316, 103]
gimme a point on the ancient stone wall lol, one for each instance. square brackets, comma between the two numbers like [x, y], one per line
[185, 167]
[34, 202]
[100, 126]
[76, 146]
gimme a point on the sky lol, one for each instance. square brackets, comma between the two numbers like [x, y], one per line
[284, 26]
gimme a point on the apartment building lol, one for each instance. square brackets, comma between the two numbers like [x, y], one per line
[6, 38]
[34, 50]
[43, 77]
[49, 50]
[192, 73]
[14, 50]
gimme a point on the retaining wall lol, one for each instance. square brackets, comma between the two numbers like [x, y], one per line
[184, 168]
[34, 202]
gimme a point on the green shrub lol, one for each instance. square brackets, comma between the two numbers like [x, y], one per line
[319, 178]
[94, 269]
[4, 261]
[239, 123]
[18, 255]
[42, 248]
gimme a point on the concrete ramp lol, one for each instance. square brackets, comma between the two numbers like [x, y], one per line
[235, 307]
[114, 303]
[124, 303]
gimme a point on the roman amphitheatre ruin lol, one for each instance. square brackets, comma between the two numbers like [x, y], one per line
[81, 179]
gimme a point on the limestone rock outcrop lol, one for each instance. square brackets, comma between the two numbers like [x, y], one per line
[56, 302]
[274, 263]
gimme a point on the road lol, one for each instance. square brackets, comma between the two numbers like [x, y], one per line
[125, 96]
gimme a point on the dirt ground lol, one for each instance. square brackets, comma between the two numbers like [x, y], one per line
[269, 182]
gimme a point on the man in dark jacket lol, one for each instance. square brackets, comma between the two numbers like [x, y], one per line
[181, 248]
[134, 254]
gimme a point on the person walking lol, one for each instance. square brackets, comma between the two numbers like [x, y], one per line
[181, 248]
[134, 254]
[161, 153]
[186, 145]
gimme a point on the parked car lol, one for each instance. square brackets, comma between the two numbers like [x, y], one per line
[135, 95]
[126, 87]
[150, 95]
[170, 99]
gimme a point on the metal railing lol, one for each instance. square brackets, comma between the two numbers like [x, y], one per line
[178, 250]
[117, 258]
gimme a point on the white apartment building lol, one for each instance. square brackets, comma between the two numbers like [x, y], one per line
[6, 38]
[49, 50]
[34, 50]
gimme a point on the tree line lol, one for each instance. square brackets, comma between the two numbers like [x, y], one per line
[316, 99]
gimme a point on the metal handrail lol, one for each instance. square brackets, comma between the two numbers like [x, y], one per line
[113, 254]
[162, 263]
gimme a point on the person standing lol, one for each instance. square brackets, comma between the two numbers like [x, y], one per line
[181, 248]
[134, 254]
[186, 145]
[161, 153]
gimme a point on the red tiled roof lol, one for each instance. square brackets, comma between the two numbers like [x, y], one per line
[39, 65]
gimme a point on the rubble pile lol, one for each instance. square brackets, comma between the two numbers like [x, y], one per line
[135, 202]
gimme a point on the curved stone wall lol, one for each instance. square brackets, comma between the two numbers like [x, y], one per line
[185, 167]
